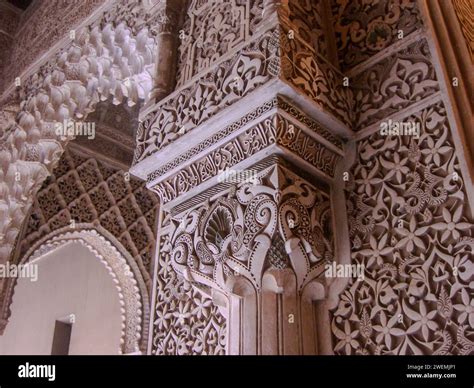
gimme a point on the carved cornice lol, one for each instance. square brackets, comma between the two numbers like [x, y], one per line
[276, 103]
[272, 132]
[274, 127]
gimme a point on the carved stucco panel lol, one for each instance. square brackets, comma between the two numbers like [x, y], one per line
[68, 86]
[85, 190]
[230, 236]
[308, 72]
[227, 83]
[364, 28]
[211, 30]
[186, 321]
[393, 83]
[411, 228]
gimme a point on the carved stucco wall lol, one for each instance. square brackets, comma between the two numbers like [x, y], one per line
[87, 190]
[410, 221]
[365, 28]
[9, 19]
[237, 237]
[186, 320]
[264, 55]
[409, 217]
[404, 193]
[412, 229]
[106, 59]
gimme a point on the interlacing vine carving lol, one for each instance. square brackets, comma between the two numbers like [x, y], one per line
[186, 321]
[211, 30]
[411, 228]
[189, 107]
[395, 82]
[308, 20]
[364, 28]
[231, 235]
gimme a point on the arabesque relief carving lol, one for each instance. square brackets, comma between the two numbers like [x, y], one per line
[191, 106]
[364, 28]
[213, 29]
[229, 237]
[412, 229]
[85, 190]
[394, 83]
[186, 320]
[100, 62]
[292, 92]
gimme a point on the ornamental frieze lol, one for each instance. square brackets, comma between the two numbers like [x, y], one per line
[234, 128]
[275, 130]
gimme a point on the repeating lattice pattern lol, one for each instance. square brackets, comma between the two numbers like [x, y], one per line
[86, 190]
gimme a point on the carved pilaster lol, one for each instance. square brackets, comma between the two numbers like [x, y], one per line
[258, 250]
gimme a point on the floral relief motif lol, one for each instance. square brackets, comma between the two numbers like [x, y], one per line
[186, 321]
[410, 225]
[231, 80]
[393, 83]
[307, 71]
[32, 40]
[307, 18]
[227, 236]
[411, 228]
[213, 29]
[363, 28]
